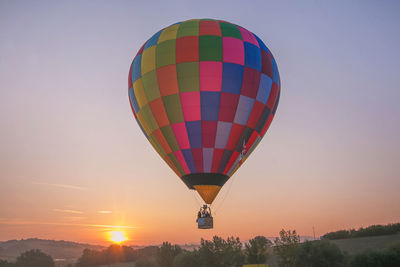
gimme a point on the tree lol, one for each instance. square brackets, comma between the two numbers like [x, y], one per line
[166, 254]
[207, 253]
[319, 254]
[187, 258]
[146, 252]
[286, 247]
[90, 258]
[368, 258]
[256, 249]
[220, 252]
[34, 258]
[115, 253]
[388, 257]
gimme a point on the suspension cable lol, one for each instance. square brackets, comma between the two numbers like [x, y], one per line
[225, 196]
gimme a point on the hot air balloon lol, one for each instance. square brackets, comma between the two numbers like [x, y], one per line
[204, 93]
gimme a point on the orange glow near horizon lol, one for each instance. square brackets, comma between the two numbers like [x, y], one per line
[117, 237]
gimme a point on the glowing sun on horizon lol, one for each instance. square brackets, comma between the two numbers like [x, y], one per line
[117, 237]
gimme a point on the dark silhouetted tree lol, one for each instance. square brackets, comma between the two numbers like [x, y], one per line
[221, 253]
[389, 257]
[34, 258]
[90, 258]
[166, 254]
[256, 249]
[319, 254]
[115, 253]
[286, 248]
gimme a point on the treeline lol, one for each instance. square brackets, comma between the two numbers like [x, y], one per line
[215, 252]
[389, 257]
[219, 252]
[373, 230]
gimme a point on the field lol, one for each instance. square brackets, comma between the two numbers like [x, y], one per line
[355, 245]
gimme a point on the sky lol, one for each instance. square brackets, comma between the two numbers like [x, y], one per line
[75, 165]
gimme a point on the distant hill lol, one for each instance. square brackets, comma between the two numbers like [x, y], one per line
[61, 251]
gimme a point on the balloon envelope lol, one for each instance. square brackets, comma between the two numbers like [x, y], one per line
[204, 93]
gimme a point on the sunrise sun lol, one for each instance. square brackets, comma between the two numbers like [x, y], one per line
[117, 237]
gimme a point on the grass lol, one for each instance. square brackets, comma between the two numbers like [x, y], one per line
[355, 245]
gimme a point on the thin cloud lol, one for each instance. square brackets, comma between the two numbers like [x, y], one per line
[23, 222]
[104, 211]
[66, 186]
[69, 211]
[75, 218]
